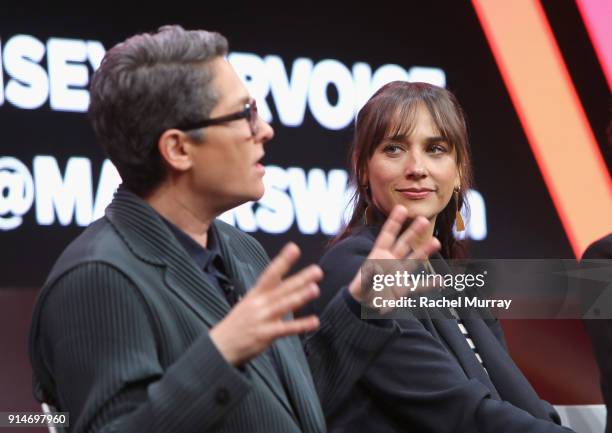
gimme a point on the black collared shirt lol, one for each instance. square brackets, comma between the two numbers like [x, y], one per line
[208, 259]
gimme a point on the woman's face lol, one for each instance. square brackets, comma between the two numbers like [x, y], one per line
[418, 171]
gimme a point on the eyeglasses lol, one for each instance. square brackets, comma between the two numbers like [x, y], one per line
[249, 112]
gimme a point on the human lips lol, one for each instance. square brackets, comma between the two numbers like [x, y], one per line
[259, 166]
[415, 193]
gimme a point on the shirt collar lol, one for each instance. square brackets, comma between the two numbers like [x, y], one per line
[203, 257]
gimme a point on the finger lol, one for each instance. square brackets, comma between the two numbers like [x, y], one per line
[308, 275]
[293, 301]
[410, 238]
[425, 250]
[391, 228]
[284, 328]
[278, 267]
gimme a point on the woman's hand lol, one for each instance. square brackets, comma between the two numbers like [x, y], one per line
[414, 243]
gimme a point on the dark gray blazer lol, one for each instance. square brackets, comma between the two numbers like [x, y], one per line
[428, 379]
[119, 338]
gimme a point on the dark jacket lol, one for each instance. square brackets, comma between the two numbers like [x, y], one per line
[428, 379]
[120, 340]
[600, 331]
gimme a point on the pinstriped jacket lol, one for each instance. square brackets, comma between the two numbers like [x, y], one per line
[119, 338]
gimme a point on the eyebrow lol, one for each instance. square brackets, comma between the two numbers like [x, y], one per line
[404, 138]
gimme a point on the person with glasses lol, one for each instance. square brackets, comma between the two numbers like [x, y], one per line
[160, 317]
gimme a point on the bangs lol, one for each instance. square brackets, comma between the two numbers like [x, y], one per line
[402, 123]
[446, 122]
[399, 125]
[374, 124]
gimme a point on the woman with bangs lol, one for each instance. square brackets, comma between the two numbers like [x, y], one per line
[442, 373]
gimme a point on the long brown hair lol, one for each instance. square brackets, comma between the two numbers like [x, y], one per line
[390, 111]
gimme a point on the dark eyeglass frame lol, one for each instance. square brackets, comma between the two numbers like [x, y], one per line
[249, 113]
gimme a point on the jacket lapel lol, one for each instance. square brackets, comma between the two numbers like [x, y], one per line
[243, 276]
[266, 371]
[298, 383]
[149, 238]
[446, 325]
[447, 328]
[504, 372]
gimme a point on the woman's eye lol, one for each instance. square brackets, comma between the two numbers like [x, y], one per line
[437, 148]
[392, 149]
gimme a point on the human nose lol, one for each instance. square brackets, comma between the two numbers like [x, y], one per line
[415, 165]
[265, 132]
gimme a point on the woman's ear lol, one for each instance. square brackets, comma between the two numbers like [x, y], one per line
[173, 147]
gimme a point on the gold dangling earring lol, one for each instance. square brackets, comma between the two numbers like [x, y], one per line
[459, 224]
[368, 217]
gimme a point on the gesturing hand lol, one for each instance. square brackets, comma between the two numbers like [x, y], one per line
[257, 320]
[414, 243]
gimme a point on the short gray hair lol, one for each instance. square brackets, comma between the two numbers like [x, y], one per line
[145, 85]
